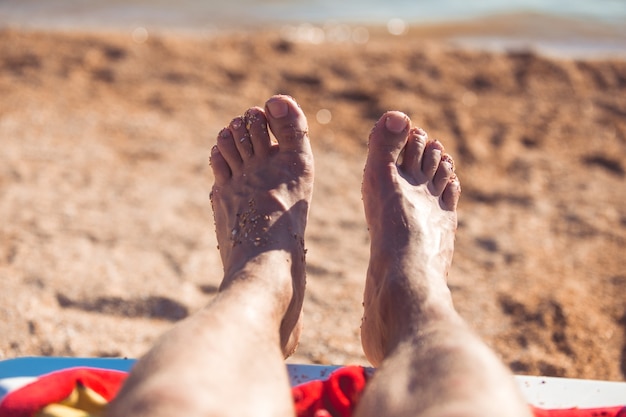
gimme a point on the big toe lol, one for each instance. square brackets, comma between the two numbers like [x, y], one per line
[388, 137]
[288, 123]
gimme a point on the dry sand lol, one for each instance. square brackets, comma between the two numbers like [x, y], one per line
[106, 235]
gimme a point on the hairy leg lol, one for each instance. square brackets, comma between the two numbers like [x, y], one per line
[227, 359]
[430, 363]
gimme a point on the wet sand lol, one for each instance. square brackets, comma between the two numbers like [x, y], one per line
[106, 234]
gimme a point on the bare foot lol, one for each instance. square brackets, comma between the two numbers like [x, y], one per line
[410, 208]
[260, 201]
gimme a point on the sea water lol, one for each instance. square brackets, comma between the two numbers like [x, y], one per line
[198, 13]
[586, 18]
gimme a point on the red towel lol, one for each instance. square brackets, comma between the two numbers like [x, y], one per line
[57, 386]
[337, 396]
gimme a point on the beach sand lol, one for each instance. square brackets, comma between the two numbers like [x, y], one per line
[106, 233]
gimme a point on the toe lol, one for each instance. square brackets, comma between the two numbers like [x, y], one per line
[220, 168]
[228, 149]
[288, 123]
[412, 160]
[388, 137]
[431, 159]
[256, 124]
[241, 138]
[450, 195]
[442, 176]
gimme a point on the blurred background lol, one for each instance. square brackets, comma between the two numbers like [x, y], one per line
[108, 110]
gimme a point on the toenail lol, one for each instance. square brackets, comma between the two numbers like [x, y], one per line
[236, 123]
[277, 108]
[420, 131]
[224, 133]
[396, 124]
[447, 159]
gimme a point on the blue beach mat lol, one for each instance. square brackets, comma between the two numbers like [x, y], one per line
[542, 392]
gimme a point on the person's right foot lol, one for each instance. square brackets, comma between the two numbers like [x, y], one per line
[410, 209]
[260, 202]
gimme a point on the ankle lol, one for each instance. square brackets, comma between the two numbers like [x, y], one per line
[400, 309]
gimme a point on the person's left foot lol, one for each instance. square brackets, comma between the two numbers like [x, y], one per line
[260, 202]
[410, 209]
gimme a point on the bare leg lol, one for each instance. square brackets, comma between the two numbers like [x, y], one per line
[227, 360]
[430, 363]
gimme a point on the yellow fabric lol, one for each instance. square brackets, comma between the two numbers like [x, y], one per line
[82, 402]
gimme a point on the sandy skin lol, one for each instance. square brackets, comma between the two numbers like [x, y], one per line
[260, 199]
